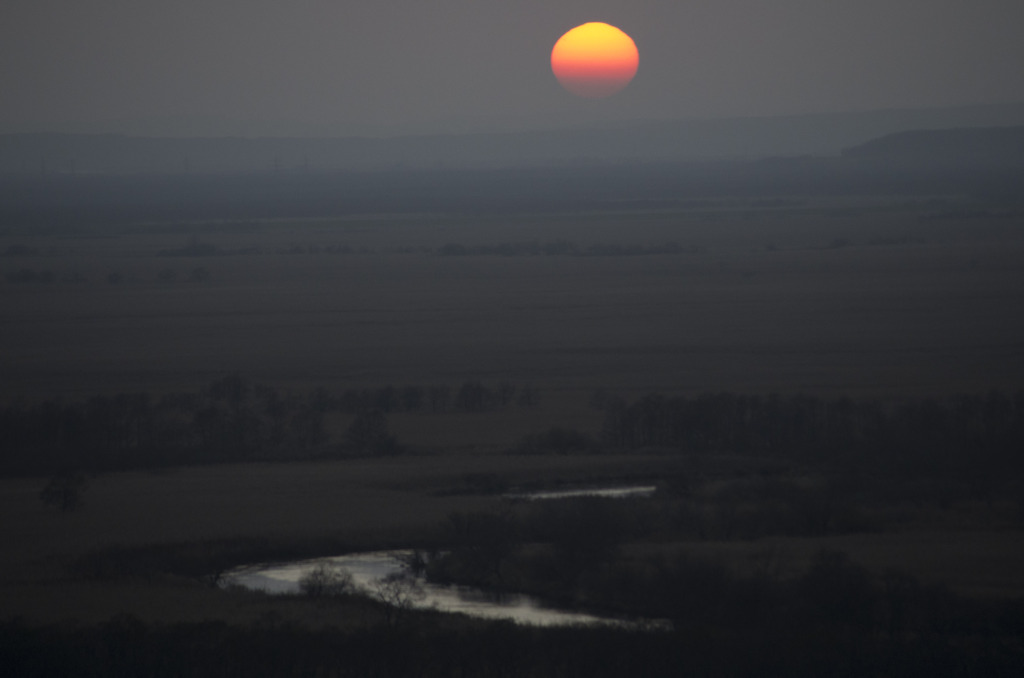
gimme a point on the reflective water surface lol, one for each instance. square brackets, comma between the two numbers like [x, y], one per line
[367, 569]
[606, 492]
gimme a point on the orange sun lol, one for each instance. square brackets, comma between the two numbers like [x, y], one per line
[594, 60]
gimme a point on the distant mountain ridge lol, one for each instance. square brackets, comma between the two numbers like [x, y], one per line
[646, 142]
[960, 148]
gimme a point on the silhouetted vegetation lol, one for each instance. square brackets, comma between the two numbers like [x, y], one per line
[833, 621]
[232, 419]
[326, 581]
[972, 436]
[369, 434]
[969, 438]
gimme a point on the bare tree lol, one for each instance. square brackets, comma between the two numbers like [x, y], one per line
[326, 581]
[399, 592]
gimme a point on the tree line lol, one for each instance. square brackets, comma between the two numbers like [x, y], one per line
[962, 434]
[231, 419]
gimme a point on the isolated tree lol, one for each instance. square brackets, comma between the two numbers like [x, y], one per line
[399, 593]
[326, 581]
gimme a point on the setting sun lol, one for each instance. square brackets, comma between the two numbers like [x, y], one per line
[594, 60]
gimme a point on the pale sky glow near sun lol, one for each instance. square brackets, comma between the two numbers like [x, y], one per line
[319, 67]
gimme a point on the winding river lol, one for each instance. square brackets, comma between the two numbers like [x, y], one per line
[369, 569]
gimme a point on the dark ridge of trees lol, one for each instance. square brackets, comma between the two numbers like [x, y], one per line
[836, 618]
[369, 434]
[471, 396]
[230, 420]
[833, 621]
[569, 554]
[975, 436]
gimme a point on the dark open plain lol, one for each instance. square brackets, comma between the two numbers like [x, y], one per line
[888, 298]
[842, 296]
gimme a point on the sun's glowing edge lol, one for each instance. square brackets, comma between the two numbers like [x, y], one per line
[594, 60]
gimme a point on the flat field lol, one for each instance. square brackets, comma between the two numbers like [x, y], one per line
[818, 296]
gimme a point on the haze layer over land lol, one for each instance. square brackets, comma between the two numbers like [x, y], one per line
[635, 142]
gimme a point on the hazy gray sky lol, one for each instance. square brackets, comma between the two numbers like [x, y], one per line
[394, 66]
